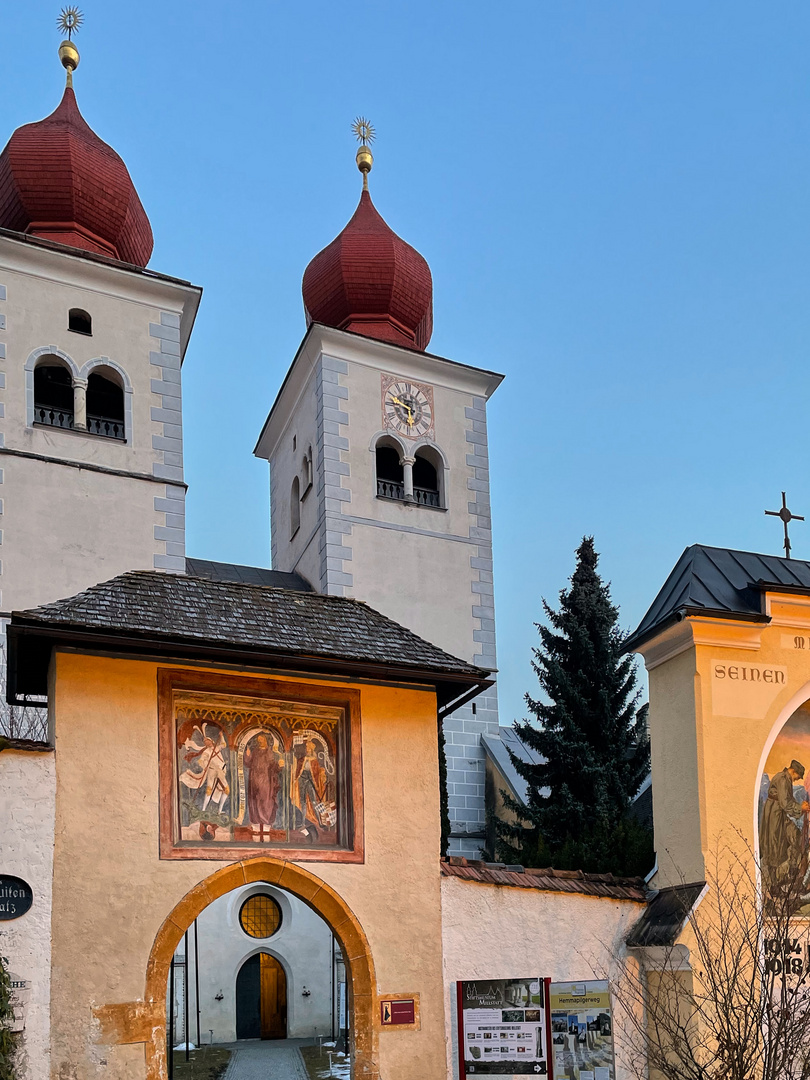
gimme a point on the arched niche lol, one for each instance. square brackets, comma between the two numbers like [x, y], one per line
[782, 787]
[317, 895]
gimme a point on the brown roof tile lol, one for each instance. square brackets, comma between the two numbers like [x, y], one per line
[548, 880]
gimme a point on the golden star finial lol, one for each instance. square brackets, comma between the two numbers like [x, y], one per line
[69, 22]
[364, 131]
[365, 134]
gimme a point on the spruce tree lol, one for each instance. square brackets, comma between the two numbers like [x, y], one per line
[590, 735]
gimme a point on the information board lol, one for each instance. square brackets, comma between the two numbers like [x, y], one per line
[581, 1031]
[503, 1027]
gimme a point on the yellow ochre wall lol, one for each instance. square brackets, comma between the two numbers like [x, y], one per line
[710, 732]
[111, 892]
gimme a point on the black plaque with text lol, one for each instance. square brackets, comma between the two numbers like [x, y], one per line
[16, 897]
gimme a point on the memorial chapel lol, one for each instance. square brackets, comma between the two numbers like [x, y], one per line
[222, 788]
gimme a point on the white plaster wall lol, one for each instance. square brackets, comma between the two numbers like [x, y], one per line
[301, 553]
[36, 310]
[303, 945]
[497, 932]
[65, 530]
[412, 563]
[27, 801]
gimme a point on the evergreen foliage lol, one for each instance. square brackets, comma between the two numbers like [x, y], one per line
[8, 1041]
[590, 735]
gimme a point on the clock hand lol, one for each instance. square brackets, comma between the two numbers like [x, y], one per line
[396, 401]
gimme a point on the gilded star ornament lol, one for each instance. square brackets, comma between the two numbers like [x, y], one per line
[70, 21]
[364, 131]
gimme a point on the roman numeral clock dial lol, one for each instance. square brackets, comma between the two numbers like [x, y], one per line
[408, 408]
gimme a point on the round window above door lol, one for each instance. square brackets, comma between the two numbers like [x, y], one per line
[260, 916]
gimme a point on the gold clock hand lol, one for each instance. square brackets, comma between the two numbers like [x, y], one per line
[402, 404]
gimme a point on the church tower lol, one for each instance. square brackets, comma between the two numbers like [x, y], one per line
[379, 469]
[91, 346]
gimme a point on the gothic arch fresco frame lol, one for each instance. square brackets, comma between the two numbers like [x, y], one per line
[149, 1017]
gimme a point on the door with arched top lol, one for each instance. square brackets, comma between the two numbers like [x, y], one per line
[261, 999]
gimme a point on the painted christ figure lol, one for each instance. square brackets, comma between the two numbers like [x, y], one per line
[780, 829]
[263, 783]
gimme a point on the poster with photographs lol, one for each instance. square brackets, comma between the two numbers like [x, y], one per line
[503, 1027]
[581, 1031]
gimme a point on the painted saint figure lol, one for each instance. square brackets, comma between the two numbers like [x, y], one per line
[780, 829]
[263, 783]
[207, 769]
[309, 785]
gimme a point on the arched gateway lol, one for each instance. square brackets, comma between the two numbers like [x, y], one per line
[317, 895]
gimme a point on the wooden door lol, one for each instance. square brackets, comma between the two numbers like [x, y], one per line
[273, 998]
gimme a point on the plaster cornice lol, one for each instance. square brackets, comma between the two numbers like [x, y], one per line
[62, 266]
[321, 340]
[695, 630]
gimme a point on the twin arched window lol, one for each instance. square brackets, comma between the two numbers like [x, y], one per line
[96, 407]
[413, 480]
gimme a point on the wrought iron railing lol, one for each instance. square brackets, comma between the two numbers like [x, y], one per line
[395, 489]
[104, 425]
[391, 489]
[426, 497]
[45, 414]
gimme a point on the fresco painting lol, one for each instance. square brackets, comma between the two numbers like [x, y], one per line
[257, 771]
[784, 810]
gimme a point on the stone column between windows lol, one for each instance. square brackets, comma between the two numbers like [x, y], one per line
[407, 477]
[80, 404]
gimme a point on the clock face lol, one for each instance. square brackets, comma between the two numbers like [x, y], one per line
[407, 409]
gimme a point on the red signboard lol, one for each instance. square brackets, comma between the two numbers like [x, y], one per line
[402, 1011]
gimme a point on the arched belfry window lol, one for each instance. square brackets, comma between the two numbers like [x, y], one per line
[295, 507]
[307, 471]
[79, 322]
[105, 404]
[426, 489]
[53, 394]
[390, 473]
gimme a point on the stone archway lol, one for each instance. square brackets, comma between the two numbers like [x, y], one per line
[314, 892]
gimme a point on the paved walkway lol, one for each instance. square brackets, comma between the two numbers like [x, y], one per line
[267, 1061]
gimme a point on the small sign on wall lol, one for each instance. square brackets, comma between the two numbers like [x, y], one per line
[20, 993]
[398, 1011]
[16, 897]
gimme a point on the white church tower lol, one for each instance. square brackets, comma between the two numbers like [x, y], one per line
[379, 470]
[91, 346]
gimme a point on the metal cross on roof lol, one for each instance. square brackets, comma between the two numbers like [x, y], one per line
[786, 517]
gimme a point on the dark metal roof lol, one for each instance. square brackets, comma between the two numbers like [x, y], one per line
[148, 611]
[548, 880]
[664, 916]
[720, 582]
[497, 746]
[246, 575]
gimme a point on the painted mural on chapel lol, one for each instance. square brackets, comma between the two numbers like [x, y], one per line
[784, 814]
[255, 771]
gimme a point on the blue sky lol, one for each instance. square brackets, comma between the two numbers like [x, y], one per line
[613, 198]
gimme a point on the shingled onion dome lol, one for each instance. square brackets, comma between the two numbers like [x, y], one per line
[369, 281]
[58, 180]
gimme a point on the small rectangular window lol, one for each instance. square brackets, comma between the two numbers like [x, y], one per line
[80, 322]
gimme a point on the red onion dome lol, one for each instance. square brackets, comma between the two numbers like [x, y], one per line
[370, 281]
[58, 180]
